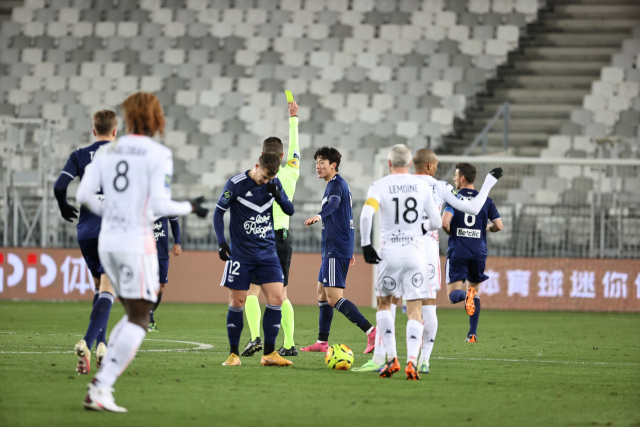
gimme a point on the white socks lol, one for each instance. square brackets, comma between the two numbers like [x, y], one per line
[393, 312]
[379, 351]
[387, 332]
[124, 341]
[414, 340]
[430, 329]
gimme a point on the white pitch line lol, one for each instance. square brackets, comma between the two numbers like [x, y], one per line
[200, 346]
[538, 361]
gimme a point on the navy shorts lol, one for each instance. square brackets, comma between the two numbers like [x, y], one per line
[89, 249]
[459, 269]
[333, 272]
[163, 268]
[237, 273]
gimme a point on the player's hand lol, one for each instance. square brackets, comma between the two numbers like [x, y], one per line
[352, 262]
[177, 250]
[293, 108]
[197, 208]
[273, 189]
[311, 221]
[370, 255]
[68, 212]
[496, 173]
[224, 251]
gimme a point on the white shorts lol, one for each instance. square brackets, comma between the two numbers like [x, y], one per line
[404, 277]
[434, 273]
[133, 276]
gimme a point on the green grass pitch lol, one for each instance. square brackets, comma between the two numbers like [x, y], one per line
[528, 369]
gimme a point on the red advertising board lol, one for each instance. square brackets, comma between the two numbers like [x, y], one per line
[514, 283]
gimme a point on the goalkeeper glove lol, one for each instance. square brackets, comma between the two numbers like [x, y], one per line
[273, 189]
[68, 212]
[370, 255]
[496, 173]
[198, 209]
[224, 251]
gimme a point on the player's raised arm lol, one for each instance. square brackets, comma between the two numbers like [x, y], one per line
[434, 222]
[276, 190]
[369, 209]
[474, 206]
[293, 154]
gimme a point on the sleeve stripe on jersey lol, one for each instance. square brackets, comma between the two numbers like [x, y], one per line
[236, 179]
[65, 172]
[337, 197]
[373, 203]
[224, 209]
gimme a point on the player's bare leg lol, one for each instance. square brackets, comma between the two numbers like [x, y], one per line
[252, 311]
[430, 321]
[101, 348]
[271, 325]
[126, 338]
[415, 329]
[82, 351]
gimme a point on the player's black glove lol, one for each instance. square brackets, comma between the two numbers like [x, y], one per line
[224, 251]
[370, 255]
[496, 173]
[68, 212]
[273, 189]
[198, 209]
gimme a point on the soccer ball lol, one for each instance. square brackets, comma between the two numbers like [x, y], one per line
[339, 357]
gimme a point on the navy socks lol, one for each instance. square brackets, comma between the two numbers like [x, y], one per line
[235, 323]
[324, 324]
[99, 318]
[155, 307]
[271, 326]
[473, 320]
[352, 313]
[457, 296]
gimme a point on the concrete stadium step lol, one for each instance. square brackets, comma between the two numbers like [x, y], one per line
[460, 145]
[581, 53]
[560, 67]
[601, 10]
[587, 25]
[536, 96]
[519, 125]
[546, 81]
[576, 39]
[588, 2]
[525, 110]
[515, 139]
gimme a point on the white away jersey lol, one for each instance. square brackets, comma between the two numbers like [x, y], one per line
[402, 200]
[135, 174]
[439, 189]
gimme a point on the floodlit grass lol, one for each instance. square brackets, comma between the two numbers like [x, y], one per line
[528, 368]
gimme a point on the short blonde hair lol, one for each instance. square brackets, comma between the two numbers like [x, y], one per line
[400, 156]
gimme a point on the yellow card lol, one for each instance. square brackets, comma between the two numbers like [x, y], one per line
[289, 96]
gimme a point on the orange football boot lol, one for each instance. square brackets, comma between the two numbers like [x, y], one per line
[390, 368]
[468, 301]
[412, 372]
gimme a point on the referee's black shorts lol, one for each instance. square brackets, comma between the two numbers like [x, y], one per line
[284, 250]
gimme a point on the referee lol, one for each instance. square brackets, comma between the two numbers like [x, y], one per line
[288, 176]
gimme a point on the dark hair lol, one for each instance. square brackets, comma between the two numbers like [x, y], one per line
[104, 122]
[270, 162]
[273, 145]
[143, 114]
[468, 171]
[330, 154]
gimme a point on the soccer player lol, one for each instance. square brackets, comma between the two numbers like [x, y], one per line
[467, 252]
[403, 199]
[135, 175]
[161, 234]
[426, 165]
[337, 251]
[249, 196]
[105, 127]
[288, 176]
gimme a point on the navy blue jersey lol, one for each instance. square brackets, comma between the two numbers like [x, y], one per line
[468, 233]
[338, 233]
[88, 223]
[251, 223]
[161, 234]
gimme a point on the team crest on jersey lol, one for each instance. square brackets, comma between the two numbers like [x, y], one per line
[167, 181]
[388, 283]
[259, 225]
[454, 191]
[226, 196]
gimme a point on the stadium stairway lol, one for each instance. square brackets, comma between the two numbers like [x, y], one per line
[547, 77]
